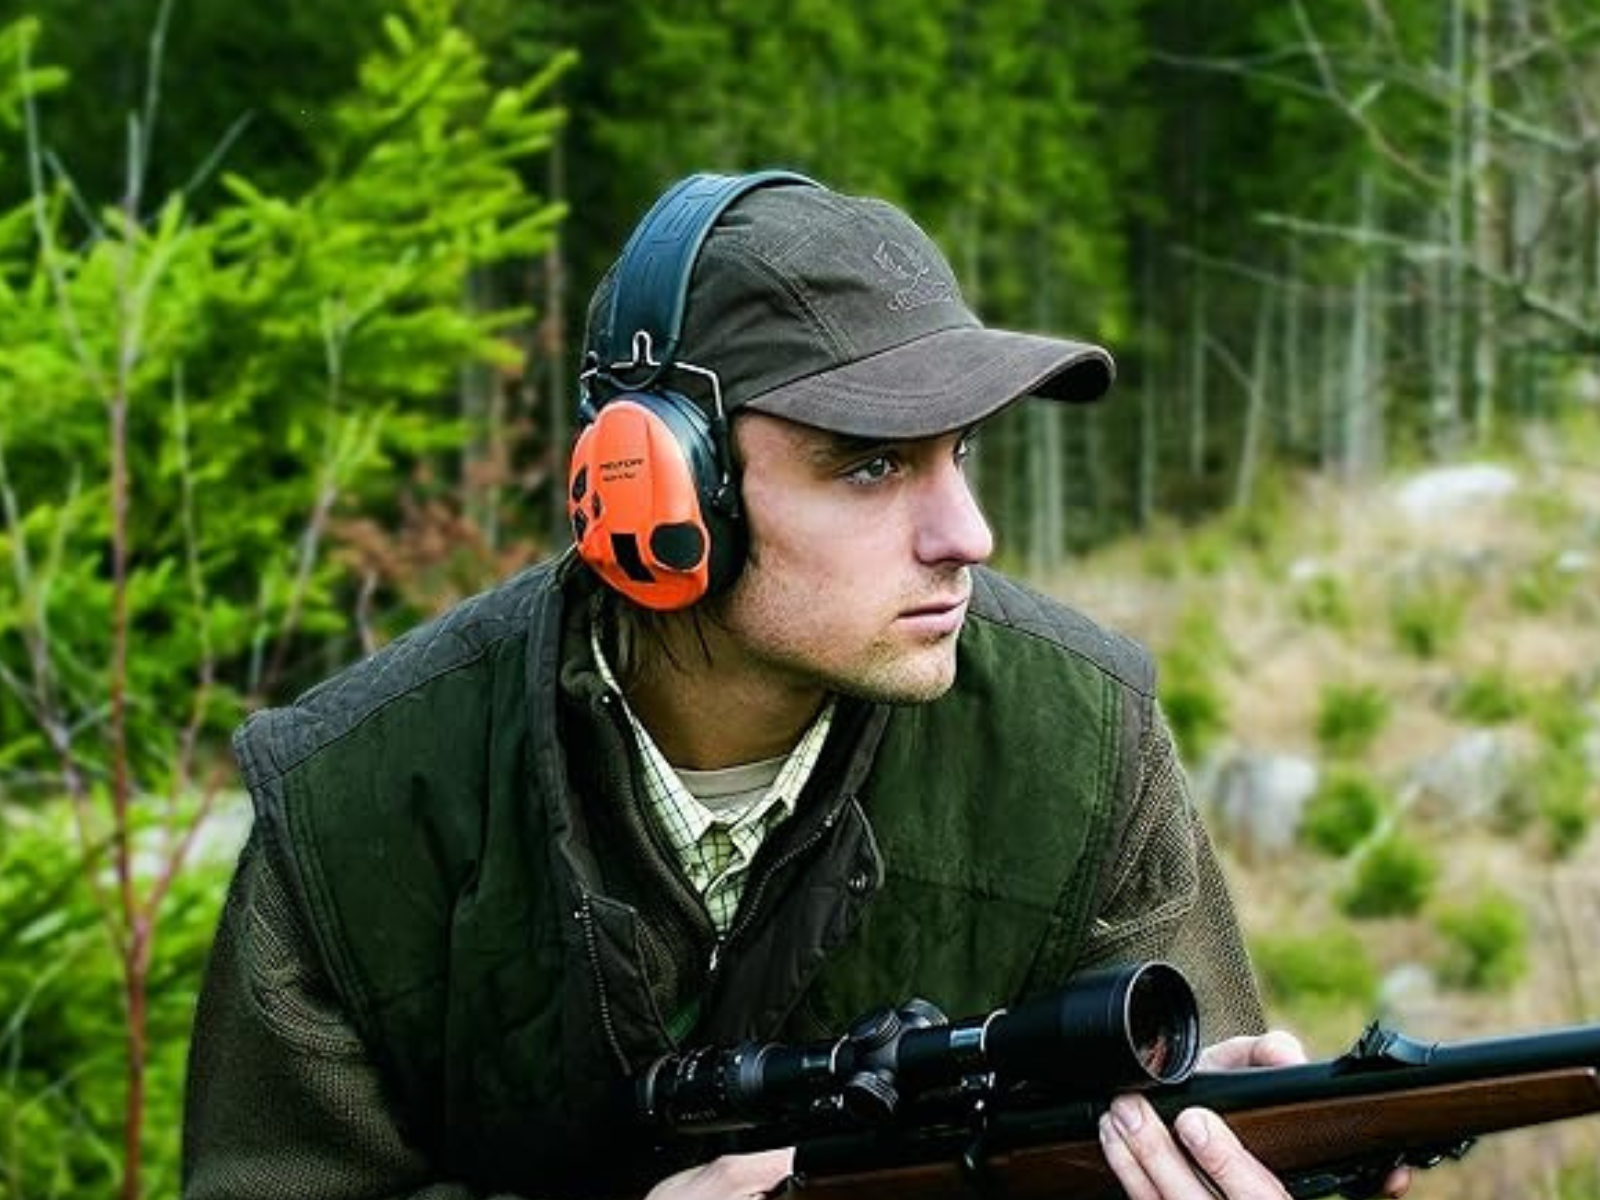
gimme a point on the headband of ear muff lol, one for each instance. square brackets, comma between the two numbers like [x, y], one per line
[651, 494]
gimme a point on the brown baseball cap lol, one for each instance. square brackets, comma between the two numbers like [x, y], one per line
[840, 312]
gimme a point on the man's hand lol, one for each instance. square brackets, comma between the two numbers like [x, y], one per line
[1151, 1164]
[731, 1177]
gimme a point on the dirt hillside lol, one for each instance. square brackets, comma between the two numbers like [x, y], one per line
[1434, 635]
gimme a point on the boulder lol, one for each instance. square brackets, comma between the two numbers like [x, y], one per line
[1471, 777]
[1258, 799]
[1445, 492]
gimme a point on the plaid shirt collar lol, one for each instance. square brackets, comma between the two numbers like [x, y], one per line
[714, 850]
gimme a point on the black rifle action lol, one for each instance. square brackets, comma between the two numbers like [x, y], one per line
[1007, 1104]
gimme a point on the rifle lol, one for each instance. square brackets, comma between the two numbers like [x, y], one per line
[1006, 1105]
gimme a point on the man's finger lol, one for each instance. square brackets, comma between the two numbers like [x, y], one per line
[1278, 1048]
[1147, 1162]
[1115, 1143]
[1235, 1172]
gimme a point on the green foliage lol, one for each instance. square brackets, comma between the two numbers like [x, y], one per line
[1544, 587]
[871, 97]
[277, 362]
[1332, 966]
[1488, 698]
[1562, 792]
[216, 386]
[18, 81]
[1576, 1179]
[1343, 812]
[1393, 877]
[1556, 792]
[1191, 696]
[61, 1015]
[1426, 619]
[1484, 945]
[1324, 600]
[1350, 717]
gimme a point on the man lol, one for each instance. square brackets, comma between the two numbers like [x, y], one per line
[770, 749]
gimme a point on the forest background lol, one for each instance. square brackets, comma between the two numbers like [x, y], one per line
[289, 300]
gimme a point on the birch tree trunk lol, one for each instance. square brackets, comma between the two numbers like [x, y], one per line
[1255, 406]
[1199, 335]
[1297, 403]
[1448, 408]
[1357, 392]
[1480, 164]
[1150, 395]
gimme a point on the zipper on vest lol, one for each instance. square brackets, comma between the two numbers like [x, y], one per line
[758, 886]
[585, 915]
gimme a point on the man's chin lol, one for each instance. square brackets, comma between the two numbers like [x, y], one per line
[906, 685]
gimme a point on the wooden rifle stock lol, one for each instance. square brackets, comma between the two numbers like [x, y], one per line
[1007, 1105]
[1334, 1126]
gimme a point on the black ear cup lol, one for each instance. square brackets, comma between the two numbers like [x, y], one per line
[716, 495]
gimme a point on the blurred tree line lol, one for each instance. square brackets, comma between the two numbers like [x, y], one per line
[290, 299]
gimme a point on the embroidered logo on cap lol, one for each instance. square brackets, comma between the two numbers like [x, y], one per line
[904, 264]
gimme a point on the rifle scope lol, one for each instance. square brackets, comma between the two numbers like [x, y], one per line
[1109, 1030]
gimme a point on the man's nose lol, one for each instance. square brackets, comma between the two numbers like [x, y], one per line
[951, 526]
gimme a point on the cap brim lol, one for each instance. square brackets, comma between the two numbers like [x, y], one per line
[942, 382]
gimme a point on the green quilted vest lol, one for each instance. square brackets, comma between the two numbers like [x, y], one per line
[454, 813]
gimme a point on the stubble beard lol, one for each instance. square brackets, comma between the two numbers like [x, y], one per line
[882, 672]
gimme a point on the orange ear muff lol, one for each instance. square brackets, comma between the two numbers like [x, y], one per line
[643, 498]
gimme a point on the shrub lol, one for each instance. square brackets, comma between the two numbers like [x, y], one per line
[1577, 1179]
[1322, 600]
[1190, 695]
[1557, 788]
[1392, 879]
[1561, 791]
[1350, 717]
[1426, 619]
[1543, 587]
[1489, 698]
[61, 1019]
[1332, 966]
[1484, 945]
[1343, 813]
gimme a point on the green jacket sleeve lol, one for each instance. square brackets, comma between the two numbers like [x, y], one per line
[282, 1098]
[1165, 897]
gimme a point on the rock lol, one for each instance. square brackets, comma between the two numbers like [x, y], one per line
[1574, 562]
[1472, 777]
[1408, 999]
[1447, 491]
[1258, 800]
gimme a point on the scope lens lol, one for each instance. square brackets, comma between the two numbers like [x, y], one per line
[1163, 1027]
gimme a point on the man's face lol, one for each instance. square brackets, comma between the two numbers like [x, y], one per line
[858, 575]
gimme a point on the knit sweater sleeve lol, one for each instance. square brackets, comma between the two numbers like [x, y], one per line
[283, 1100]
[1165, 897]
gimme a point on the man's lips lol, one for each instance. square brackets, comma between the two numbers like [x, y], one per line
[935, 607]
[936, 618]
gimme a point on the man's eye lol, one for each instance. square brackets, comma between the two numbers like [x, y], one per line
[874, 470]
[964, 449]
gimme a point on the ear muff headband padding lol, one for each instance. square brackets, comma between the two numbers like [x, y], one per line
[652, 280]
